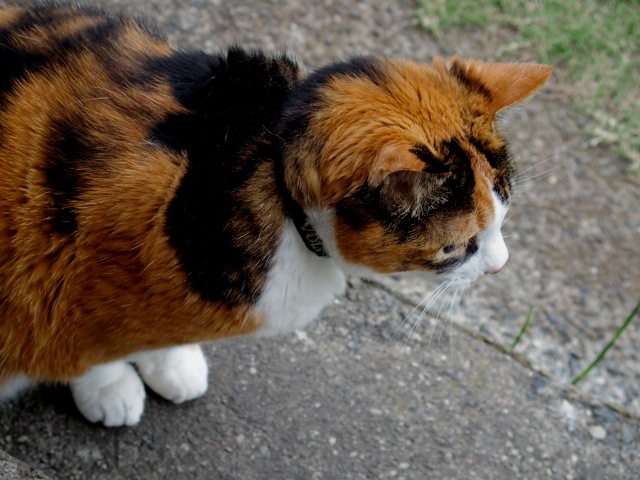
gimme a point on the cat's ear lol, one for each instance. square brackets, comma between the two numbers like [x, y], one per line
[410, 192]
[393, 158]
[504, 84]
[408, 185]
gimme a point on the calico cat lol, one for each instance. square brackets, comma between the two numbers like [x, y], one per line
[151, 199]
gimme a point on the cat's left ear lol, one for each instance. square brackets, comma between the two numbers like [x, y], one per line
[504, 84]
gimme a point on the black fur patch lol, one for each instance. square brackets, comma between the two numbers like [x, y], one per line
[17, 62]
[461, 183]
[367, 205]
[305, 97]
[497, 157]
[459, 72]
[433, 164]
[235, 102]
[69, 153]
[500, 161]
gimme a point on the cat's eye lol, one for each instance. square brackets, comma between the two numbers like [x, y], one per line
[448, 249]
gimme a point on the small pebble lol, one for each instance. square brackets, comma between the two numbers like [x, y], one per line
[598, 432]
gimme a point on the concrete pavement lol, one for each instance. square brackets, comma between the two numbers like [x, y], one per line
[361, 394]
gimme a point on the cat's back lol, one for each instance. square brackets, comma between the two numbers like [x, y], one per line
[63, 61]
[82, 189]
[76, 107]
[113, 147]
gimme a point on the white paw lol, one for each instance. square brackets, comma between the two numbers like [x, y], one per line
[13, 387]
[111, 393]
[178, 374]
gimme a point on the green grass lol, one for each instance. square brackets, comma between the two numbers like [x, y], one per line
[610, 344]
[594, 43]
[516, 341]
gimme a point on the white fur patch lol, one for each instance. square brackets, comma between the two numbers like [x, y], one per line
[111, 393]
[298, 286]
[177, 374]
[492, 252]
[13, 387]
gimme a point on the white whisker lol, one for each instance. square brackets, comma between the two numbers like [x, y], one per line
[435, 324]
[448, 317]
[434, 297]
[536, 165]
[425, 299]
[523, 183]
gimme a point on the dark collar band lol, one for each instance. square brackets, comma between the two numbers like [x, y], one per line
[309, 235]
[295, 212]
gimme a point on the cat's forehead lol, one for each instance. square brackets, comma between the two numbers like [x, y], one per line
[410, 101]
[370, 116]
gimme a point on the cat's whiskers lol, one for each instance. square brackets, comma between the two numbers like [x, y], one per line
[535, 165]
[416, 308]
[428, 301]
[465, 289]
[520, 183]
[435, 324]
[424, 312]
[533, 179]
[448, 317]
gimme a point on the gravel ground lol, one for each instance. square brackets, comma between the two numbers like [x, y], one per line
[382, 400]
[340, 401]
[574, 224]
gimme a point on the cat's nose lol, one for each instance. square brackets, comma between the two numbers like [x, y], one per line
[494, 268]
[497, 256]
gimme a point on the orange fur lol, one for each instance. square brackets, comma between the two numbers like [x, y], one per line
[366, 131]
[117, 285]
[63, 295]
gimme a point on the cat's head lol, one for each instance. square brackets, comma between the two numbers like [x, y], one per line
[400, 166]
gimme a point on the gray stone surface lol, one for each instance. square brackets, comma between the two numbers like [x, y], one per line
[364, 394]
[13, 469]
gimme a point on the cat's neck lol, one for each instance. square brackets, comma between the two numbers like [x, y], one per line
[294, 211]
[299, 284]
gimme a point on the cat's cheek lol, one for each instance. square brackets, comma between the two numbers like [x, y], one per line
[492, 254]
[493, 248]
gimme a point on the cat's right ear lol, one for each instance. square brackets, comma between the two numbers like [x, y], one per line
[406, 184]
[394, 158]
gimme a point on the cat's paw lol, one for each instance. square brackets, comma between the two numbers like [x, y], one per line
[13, 387]
[111, 393]
[177, 374]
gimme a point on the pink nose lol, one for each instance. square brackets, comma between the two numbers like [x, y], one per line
[493, 269]
[497, 264]
[496, 254]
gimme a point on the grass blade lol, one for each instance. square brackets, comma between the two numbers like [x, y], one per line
[523, 329]
[608, 345]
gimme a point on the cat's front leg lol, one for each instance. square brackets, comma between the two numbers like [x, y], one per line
[111, 393]
[177, 374]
